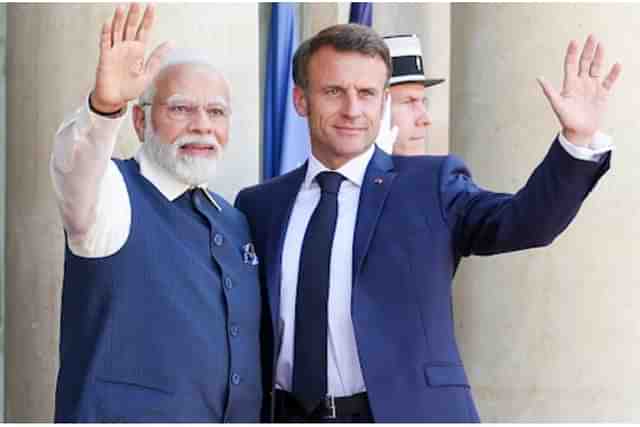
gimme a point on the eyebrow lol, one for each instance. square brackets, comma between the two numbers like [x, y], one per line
[216, 100]
[345, 88]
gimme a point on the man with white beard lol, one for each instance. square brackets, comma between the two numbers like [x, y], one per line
[161, 300]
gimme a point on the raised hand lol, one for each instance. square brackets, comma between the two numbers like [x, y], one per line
[581, 104]
[122, 75]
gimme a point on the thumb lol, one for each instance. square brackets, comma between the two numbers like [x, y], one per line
[156, 59]
[550, 92]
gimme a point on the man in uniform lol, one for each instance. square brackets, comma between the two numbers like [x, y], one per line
[403, 129]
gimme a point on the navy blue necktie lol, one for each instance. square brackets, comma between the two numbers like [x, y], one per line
[309, 384]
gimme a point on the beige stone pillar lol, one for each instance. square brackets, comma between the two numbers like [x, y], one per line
[315, 17]
[431, 22]
[51, 59]
[549, 334]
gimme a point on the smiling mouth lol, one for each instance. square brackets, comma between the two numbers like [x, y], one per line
[349, 130]
[198, 149]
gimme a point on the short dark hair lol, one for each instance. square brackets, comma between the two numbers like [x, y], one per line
[343, 38]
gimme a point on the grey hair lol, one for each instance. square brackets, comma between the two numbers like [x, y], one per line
[180, 56]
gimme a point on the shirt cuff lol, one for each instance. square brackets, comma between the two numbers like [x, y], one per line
[100, 126]
[83, 130]
[599, 146]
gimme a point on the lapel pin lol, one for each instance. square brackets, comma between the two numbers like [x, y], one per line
[378, 181]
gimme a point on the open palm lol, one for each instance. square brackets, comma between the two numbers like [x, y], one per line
[581, 104]
[122, 75]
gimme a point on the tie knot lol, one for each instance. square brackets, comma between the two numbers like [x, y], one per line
[329, 181]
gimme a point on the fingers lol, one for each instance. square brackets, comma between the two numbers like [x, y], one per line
[105, 36]
[587, 56]
[570, 64]
[612, 76]
[146, 24]
[125, 26]
[131, 24]
[117, 26]
[596, 65]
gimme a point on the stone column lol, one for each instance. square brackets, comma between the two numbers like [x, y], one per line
[52, 52]
[317, 16]
[548, 334]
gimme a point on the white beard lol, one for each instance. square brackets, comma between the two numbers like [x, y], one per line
[188, 169]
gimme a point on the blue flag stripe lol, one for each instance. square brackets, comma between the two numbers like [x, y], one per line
[361, 13]
[286, 136]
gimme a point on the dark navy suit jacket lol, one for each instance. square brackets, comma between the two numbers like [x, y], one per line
[417, 217]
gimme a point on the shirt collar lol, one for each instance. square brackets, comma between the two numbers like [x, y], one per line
[167, 184]
[353, 170]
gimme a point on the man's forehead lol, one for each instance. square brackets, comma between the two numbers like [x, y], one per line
[329, 66]
[192, 80]
[408, 89]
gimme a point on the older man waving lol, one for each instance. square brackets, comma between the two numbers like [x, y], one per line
[160, 305]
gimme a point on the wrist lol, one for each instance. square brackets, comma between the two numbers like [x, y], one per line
[104, 109]
[575, 138]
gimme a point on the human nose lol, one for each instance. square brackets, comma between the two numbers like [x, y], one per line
[351, 105]
[199, 121]
[424, 117]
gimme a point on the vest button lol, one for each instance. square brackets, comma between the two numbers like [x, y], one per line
[235, 379]
[235, 330]
[228, 284]
[218, 239]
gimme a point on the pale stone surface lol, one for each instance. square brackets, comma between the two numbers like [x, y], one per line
[315, 17]
[431, 22]
[3, 146]
[52, 55]
[548, 334]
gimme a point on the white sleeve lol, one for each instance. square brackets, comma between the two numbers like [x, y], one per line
[89, 188]
[600, 144]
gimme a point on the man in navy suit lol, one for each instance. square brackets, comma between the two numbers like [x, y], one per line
[358, 248]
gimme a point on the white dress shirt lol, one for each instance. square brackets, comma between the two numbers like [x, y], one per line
[90, 190]
[344, 374]
[343, 365]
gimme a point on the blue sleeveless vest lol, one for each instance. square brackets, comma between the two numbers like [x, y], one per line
[167, 328]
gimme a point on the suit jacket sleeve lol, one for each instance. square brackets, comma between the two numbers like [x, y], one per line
[485, 223]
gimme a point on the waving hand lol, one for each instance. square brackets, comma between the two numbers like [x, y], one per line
[581, 104]
[122, 74]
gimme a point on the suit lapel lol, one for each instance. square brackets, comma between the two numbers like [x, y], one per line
[376, 185]
[281, 205]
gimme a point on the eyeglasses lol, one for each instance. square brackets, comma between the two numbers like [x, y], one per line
[184, 111]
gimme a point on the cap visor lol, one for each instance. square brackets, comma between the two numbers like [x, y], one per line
[433, 82]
